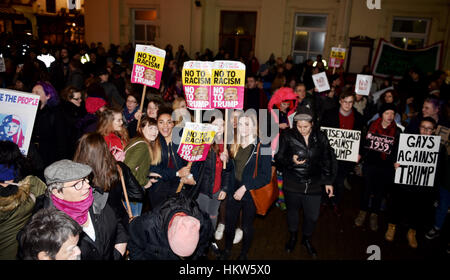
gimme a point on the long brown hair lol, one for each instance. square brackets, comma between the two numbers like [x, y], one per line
[92, 150]
[105, 125]
[238, 139]
[154, 147]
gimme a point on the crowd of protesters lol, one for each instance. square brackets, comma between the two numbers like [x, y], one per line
[93, 151]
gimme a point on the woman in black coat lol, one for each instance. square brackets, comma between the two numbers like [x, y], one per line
[307, 162]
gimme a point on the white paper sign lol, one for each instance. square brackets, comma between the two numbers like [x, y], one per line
[17, 114]
[345, 142]
[363, 84]
[417, 156]
[74, 4]
[321, 81]
[2, 65]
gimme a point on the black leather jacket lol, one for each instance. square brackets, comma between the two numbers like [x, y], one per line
[320, 166]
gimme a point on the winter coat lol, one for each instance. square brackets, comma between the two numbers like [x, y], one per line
[137, 158]
[148, 232]
[319, 169]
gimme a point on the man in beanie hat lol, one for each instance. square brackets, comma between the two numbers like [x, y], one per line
[176, 229]
[69, 191]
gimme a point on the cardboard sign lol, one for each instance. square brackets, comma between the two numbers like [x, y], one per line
[196, 140]
[196, 77]
[444, 132]
[228, 82]
[379, 143]
[345, 142]
[148, 65]
[417, 156]
[17, 113]
[363, 84]
[321, 81]
[2, 65]
[337, 57]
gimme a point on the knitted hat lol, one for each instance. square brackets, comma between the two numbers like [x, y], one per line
[183, 234]
[94, 103]
[387, 106]
[7, 173]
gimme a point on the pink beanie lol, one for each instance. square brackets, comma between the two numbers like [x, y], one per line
[93, 104]
[183, 234]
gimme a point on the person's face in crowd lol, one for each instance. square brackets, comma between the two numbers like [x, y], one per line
[388, 116]
[117, 122]
[219, 123]
[428, 110]
[246, 127]
[426, 128]
[433, 86]
[165, 125]
[39, 90]
[292, 83]
[388, 98]
[284, 106]
[414, 76]
[76, 99]
[316, 70]
[19, 85]
[304, 127]
[11, 129]
[358, 97]
[347, 104]
[288, 66]
[301, 92]
[64, 54]
[74, 191]
[131, 103]
[69, 249]
[251, 83]
[182, 105]
[150, 132]
[103, 78]
[152, 110]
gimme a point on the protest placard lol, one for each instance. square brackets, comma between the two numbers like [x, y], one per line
[444, 132]
[196, 140]
[148, 65]
[345, 142]
[417, 156]
[321, 81]
[196, 77]
[337, 57]
[363, 84]
[379, 143]
[17, 113]
[228, 81]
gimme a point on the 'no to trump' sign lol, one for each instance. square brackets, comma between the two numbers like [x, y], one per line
[345, 142]
[417, 156]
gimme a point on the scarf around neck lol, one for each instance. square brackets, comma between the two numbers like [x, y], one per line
[377, 128]
[77, 210]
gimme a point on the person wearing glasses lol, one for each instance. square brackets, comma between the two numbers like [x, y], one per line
[69, 190]
[73, 110]
[410, 203]
[343, 117]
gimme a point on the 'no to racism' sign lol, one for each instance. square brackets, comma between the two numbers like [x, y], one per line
[417, 156]
[345, 142]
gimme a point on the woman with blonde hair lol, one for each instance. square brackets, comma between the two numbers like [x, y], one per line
[110, 126]
[252, 170]
[143, 151]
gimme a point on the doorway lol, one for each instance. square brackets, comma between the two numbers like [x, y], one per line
[237, 33]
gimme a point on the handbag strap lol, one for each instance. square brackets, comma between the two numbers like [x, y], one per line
[255, 172]
[128, 207]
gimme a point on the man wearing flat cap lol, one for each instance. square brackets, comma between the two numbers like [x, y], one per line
[103, 237]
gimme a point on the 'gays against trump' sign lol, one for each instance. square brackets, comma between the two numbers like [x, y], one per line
[417, 156]
[345, 142]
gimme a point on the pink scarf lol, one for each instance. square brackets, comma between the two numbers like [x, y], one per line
[77, 210]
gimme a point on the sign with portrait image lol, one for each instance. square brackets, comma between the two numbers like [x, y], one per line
[196, 78]
[321, 81]
[148, 65]
[196, 141]
[337, 57]
[228, 82]
[363, 84]
[17, 114]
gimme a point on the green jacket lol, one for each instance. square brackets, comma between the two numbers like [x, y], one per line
[137, 158]
[13, 218]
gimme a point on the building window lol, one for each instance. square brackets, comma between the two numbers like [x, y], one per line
[410, 33]
[309, 36]
[50, 6]
[145, 28]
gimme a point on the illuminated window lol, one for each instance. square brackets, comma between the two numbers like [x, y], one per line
[146, 27]
[309, 36]
[410, 33]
